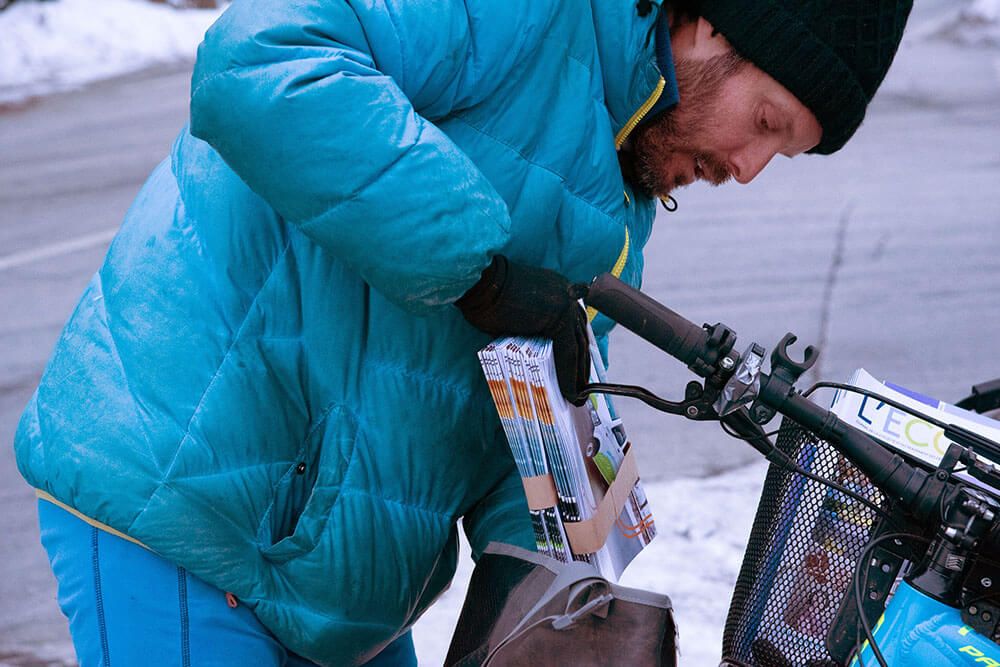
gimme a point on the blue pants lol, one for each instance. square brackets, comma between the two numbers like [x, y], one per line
[127, 606]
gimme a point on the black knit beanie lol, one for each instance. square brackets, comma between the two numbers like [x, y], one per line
[831, 54]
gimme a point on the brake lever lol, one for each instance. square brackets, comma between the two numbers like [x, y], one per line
[696, 406]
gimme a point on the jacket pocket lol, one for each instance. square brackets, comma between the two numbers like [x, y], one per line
[304, 496]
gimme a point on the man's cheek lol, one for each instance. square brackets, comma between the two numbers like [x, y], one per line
[667, 168]
[660, 175]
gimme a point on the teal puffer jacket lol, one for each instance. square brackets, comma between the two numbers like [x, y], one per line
[266, 382]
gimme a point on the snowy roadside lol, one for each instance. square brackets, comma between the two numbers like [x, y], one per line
[703, 526]
[55, 46]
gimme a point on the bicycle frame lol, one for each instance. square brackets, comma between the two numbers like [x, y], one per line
[916, 631]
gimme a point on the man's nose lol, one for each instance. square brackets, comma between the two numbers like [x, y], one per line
[746, 164]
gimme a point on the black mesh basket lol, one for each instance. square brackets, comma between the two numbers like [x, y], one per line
[796, 577]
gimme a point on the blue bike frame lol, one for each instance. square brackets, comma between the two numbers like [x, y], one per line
[918, 631]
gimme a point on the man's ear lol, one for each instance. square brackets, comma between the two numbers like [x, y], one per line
[705, 42]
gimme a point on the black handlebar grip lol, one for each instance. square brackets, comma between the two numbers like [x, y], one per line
[648, 318]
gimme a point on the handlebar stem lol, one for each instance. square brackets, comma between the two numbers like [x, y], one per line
[967, 517]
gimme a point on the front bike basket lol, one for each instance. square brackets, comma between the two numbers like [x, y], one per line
[795, 582]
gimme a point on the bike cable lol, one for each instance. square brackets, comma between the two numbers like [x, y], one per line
[861, 581]
[788, 465]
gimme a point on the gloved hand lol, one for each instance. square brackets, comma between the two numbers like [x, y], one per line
[517, 300]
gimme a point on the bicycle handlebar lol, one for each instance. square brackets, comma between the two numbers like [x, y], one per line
[682, 339]
[648, 318]
[965, 522]
[887, 469]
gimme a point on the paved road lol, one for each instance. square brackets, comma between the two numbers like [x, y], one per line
[886, 255]
[69, 168]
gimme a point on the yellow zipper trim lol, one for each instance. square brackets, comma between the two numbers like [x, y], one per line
[620, 138]
[42, 495]
[616, 271]
[639, 114]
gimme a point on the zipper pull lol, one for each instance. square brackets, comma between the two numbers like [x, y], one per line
[669, 204]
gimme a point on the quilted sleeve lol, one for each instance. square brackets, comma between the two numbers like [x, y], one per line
[325, 110]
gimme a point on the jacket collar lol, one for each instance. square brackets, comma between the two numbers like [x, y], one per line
[628, 47]
[665, 63]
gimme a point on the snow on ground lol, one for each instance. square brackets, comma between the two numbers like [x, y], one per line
[703, 526]
[54, 46]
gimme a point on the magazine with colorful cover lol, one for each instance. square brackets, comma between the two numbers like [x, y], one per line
[576, 454]
[497, 378]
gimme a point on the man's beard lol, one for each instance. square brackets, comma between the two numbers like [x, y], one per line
[661, 148]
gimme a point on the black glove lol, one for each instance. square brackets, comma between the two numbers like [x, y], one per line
[517, 300]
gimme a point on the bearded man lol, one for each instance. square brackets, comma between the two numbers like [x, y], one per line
[265, 417]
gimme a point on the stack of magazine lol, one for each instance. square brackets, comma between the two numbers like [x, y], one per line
[580, 478]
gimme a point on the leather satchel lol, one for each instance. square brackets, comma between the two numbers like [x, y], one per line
[524, 608]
